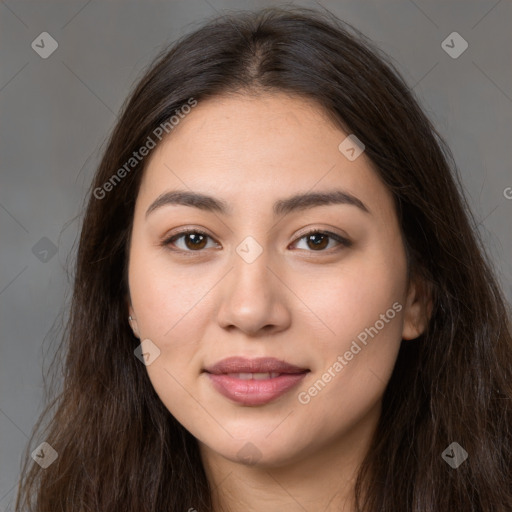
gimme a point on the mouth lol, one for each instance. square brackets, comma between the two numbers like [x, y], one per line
[260, 365]
[254, 382]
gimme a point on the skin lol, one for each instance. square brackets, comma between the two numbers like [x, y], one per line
[294, 302]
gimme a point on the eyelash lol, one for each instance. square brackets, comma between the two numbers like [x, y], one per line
[344, 242]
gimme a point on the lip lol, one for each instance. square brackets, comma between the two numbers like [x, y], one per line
[223, 376]
[257, 365]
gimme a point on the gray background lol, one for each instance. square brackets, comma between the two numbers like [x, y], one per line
[57, 112]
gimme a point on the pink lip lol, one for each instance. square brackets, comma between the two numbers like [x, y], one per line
[257, 365]
[254, 392]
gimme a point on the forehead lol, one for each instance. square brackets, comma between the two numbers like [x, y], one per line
[247, 148]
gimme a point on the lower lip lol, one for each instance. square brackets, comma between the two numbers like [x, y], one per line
[255, 392]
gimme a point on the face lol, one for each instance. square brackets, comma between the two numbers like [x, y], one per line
[312, 294]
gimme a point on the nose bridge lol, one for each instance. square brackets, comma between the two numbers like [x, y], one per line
[252, 298]
[250, 280]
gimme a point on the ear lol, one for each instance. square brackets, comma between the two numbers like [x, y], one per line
[133, 321]
[418, 308]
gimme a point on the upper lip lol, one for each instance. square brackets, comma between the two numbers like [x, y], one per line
[258, 365]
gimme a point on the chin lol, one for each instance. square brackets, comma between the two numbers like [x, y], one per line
[260, 451]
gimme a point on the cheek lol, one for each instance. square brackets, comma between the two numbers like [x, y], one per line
[165, 296]
[357, 293]
[363, 306]
[167, 304]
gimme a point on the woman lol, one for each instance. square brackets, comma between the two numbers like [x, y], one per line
[280, 297]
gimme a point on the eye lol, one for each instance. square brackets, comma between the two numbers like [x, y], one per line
[319, 240]
[193, 240]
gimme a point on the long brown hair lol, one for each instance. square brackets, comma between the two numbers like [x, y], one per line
[119, 448]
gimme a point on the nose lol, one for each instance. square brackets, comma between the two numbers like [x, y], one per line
[254, 298]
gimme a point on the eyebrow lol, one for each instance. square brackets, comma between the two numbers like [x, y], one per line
[281, 207]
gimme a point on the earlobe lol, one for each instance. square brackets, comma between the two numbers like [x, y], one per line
[418, 309]
[133, 323]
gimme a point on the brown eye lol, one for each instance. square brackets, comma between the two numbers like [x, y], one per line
[317, 241]
[192, 241]
[195, 241]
